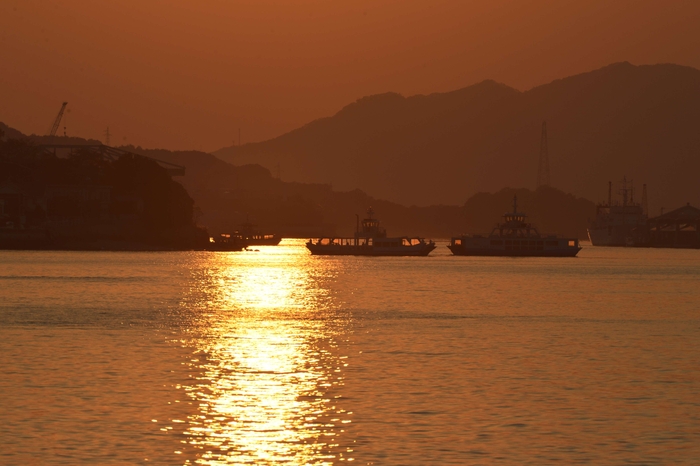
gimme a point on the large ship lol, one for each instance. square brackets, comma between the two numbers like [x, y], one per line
[514, 237]
[615, 221]
[370, 240]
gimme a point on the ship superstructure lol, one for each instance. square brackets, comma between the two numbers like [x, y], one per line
[370, 240]
[514, 237]
[615, 221]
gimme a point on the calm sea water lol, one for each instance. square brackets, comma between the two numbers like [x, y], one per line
[275, 356]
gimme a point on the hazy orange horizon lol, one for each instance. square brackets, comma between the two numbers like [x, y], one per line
[185, 74]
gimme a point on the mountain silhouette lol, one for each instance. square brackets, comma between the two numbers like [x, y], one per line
[225, 196]
[621, 120]
[229, 195]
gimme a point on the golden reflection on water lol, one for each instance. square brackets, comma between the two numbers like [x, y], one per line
[271, 372]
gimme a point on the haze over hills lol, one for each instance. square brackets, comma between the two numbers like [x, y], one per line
[621, 120]
[229, 195]
[226, 196]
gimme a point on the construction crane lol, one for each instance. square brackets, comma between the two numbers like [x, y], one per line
[54, 128]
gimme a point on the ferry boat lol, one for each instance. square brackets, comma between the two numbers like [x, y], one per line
[514, 237]
[615, 222]
[370, 240]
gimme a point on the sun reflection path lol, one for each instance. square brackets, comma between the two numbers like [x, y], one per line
[271, 370]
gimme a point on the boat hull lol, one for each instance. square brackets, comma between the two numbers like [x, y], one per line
[613, 236]
[263, 241]
[351, 250]
[549, 247]
[461, 251]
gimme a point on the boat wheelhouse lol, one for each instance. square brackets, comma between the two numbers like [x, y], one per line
[370, 240]
[514, 237]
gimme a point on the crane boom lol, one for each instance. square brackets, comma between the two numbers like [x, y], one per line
[54, 128]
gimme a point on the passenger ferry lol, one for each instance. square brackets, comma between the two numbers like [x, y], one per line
[370, 240]
[514, 237]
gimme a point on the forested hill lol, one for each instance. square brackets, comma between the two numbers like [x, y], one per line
[228, 195]
[621, 120]
[225, 196]
[7, 132]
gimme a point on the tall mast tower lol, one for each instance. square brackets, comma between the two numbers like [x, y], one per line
[543, 170]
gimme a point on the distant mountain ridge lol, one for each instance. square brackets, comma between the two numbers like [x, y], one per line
[226, 196]
[230, 195]
[621, 120]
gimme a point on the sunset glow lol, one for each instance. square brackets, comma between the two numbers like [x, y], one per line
[320, 232]
[187, 75]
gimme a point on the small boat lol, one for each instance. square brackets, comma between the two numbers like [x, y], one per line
[370, 240]
[514, 237]
[226, 242]
[249, 235]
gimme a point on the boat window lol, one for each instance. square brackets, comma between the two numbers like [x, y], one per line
[572, 243]
[496, 242]
[458, 242]
[552, 243]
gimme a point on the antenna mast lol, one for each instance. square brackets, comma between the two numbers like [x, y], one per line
[625, 191]
[107, 136]
[543, 171]
[645, 205]
[56, 123]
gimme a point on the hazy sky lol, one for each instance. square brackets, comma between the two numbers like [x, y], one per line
[183, 74]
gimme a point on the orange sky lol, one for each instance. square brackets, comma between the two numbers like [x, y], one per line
[182, 74]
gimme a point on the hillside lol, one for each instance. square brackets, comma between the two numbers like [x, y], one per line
[7, 132]
[621, 120]
[228, 195]
[85, 201]
[225, 196]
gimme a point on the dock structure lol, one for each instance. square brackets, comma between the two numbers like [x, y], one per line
[110, 153]
[679, 228]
